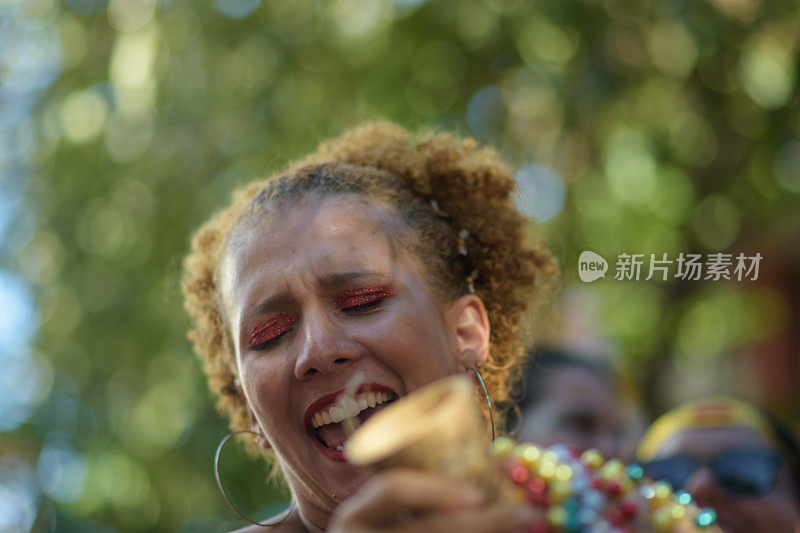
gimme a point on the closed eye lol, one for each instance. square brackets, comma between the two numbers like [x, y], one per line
[268, 333]
[364, 306]
[363, 298]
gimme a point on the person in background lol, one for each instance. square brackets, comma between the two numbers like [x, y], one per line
[572, 400]
[731, 457]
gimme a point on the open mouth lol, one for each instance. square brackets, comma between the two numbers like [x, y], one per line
[331, 419]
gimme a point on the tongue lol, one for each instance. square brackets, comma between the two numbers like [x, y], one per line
[333, 435]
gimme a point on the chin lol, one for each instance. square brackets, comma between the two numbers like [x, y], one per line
[333, 481]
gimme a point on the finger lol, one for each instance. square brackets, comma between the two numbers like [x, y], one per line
[498, 518]
[383, 498]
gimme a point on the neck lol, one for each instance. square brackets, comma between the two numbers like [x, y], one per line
[312, 518]
[308, 525]
[313, 505]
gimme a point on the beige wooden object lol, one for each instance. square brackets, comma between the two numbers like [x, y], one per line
[439, 428]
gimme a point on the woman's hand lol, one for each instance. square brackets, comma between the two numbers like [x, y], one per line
[400, 501]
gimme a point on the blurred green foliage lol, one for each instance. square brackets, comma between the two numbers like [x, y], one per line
[673, 126]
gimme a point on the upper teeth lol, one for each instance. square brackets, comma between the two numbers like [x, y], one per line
[348, 407]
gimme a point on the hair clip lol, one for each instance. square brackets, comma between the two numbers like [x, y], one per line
[471, 281]
[462, 241]
[437, 210]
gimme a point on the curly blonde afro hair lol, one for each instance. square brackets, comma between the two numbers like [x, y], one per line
[448, 195]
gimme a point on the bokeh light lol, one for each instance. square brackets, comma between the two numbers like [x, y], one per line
[630, 167]
[486, 112]
[18, 317]
[83, 115]
[237, 8]
[130, 15]
[18, 495]
[358, 19]
[29, 54]
[766, 70]
[540, 192]
[673, 49]
[61, 472]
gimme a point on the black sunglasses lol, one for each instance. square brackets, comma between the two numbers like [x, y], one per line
[744, 472]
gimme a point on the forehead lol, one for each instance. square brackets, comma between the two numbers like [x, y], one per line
[710, 441]
[314, 238]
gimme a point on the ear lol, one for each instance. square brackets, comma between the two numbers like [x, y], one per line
[468, 322]
[256, 428]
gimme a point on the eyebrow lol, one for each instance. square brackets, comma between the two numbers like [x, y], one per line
[326, 282]
[335, 280]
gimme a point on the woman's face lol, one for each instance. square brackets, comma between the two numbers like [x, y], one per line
[315, 295]
[773, 512]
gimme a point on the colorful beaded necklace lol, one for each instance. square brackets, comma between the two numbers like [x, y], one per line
[584, 493]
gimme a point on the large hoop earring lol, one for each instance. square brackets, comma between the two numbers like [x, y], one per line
[278, 519]
[486, 396]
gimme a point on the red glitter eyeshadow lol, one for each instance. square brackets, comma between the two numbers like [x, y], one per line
[364, 295]
[269, 330]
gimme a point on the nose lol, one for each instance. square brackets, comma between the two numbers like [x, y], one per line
[704, 488]
[326, 346]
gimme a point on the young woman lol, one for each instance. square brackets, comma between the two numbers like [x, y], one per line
[399, 261]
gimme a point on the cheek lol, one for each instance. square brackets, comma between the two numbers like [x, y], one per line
[416, 350]
[266, 387]
[418, 329]
[768, 513]
[426, 346]
[783, 506]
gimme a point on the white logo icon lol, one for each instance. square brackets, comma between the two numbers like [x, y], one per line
[591, 266]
